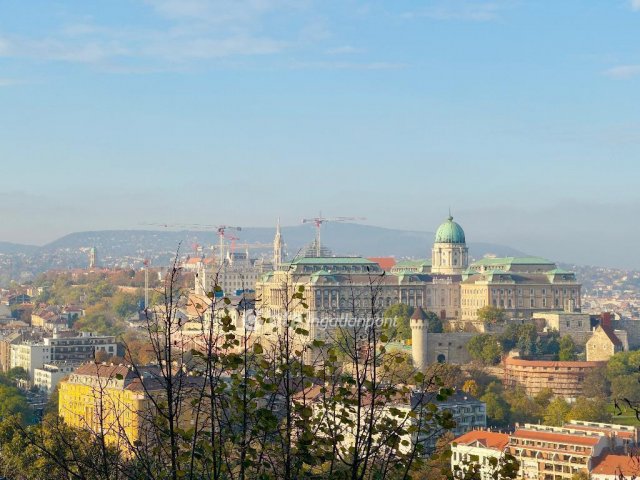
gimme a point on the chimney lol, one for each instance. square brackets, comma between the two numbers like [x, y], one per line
[605, 319]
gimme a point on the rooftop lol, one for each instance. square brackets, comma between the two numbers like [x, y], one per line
[332, 261]
[557, 437]
[618, 465]
[493, 440]
[488, 261]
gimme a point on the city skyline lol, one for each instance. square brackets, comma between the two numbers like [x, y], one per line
[240, 112]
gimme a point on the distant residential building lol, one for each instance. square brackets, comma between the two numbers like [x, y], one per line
[6, 341]
[616, 467]
[47, 377]
[468, 412]
[556, 452]
[29, 356]
[63, 346]
[622, 437]
[478, 447]
[605, 342]
[564, 379]
[17, 299]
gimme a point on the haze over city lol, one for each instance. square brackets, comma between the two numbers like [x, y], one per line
[520, 116]
[319, 239]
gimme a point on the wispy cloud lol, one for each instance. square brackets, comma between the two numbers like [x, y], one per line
[349, 65]
[343, 50]
[460, 10]
[623, 71]
[190, 30]
[635, 5]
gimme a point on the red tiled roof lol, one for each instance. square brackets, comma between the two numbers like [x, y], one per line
[386, 263]
[626, 465]
[493, 440]
[556, 437]
[611, 335]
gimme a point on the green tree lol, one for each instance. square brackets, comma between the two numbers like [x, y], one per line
[435, 323]
[397, 322]
[567, 350]
[14, 403]
[18, 373]
[398, 366]
[490, 314]
[527, 339]
[124, 305]
[557, 412]
[485, 349]
[626, 387]
[543, 398]
[509, 337]
[522, 407]
[498, 411]
[596, 384]
[548, 343]
[590, 410]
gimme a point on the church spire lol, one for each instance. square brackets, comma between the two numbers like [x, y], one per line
[277, 248]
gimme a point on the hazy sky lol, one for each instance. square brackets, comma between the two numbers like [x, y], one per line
[522, 116]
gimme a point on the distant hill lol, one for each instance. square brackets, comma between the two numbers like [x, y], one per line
[9, 248]
[131, 247]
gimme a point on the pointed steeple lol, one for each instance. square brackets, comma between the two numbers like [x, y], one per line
[277, 248]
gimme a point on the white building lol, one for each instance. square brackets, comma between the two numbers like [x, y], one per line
[29, 356]
[477, 447]
[63, 346]
[47, 377]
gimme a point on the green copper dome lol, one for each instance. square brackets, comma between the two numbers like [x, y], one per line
[450, 232]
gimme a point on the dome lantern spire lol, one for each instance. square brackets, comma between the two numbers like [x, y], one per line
[449, 254]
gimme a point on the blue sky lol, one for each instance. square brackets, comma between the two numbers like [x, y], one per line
[522, 116]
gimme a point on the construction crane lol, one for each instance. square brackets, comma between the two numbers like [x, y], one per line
[146, 283]
[319, 220]
[220, 229]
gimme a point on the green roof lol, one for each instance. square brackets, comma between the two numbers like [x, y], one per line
[513, 261]
[559, 271]
[450, 232]
[424, 262]
[332, 261]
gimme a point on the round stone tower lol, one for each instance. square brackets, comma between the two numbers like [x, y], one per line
[419, 337]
